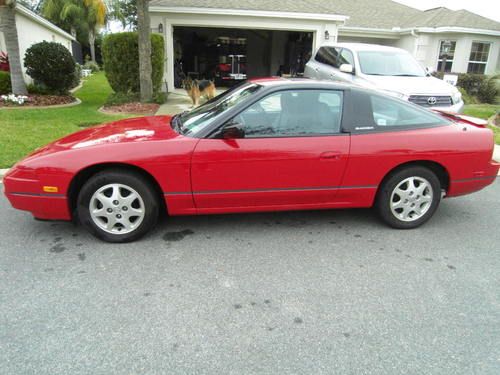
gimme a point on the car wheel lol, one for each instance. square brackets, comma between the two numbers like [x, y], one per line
[117, 206]
[409, 198]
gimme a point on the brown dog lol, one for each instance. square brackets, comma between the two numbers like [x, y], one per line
[196, 89]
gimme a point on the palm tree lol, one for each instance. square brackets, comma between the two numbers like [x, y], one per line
[9, 29]
[86, 16]
[67, 14]
[145, 68]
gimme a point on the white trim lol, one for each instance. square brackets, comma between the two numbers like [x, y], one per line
[449, 29]
[42, 21]
[252, 13]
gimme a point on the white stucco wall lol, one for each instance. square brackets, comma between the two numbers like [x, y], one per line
[430, 50]
[30, 32]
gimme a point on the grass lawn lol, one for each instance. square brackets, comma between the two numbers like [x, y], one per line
[23, 130]
[484, 111]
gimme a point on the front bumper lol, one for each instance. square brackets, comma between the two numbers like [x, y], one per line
[24, 192]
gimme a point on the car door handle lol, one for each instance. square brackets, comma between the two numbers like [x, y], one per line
[330, 155]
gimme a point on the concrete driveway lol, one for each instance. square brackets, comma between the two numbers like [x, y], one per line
[330, 292]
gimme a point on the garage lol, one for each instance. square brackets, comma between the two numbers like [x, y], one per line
[231, 45]
[228, 56]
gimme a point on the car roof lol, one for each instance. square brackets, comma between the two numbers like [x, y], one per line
[364, 47]
[299, 82]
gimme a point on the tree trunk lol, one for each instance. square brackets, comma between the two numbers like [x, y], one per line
[92, 45]
[8, 27]
[145, 68]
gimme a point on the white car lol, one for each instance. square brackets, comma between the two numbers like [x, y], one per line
[389, 69]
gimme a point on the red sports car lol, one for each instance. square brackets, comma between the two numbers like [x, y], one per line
[265, 145]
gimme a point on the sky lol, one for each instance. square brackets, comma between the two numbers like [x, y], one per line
[485, 8]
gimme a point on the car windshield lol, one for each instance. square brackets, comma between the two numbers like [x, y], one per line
[192, 122]
[389, 63]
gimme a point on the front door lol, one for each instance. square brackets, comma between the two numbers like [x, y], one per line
[292, 155]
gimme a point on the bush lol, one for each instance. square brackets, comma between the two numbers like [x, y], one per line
[5, 87]
[468, 99]
[93, 66]
[118, 98]
[51, 65]
[488, 91]
[121, 61]
[38, 89]
[470, 82]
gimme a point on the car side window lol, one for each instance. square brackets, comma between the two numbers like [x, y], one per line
[293, 113]
[390, 112]
[329, 56]
[346, 57]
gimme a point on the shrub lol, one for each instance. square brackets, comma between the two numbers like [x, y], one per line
[117, 98]
[38, 89]
[93, 66]
[5, 86]
[50, 64]
[470, 82]
[121, 61]
[468, 99]
[488, 91]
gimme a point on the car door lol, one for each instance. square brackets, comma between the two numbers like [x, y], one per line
[293, 155]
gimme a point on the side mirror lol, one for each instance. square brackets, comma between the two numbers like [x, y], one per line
[347, 68]
[233, 130]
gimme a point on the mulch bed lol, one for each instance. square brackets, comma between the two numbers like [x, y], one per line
[41, 101]
[135, 108]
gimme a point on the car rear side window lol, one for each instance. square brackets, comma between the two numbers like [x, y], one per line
[294, 113]
[372, 112]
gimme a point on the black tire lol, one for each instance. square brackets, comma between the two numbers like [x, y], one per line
[385, 194]
[142, 187]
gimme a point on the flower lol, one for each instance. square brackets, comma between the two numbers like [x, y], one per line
[15, 99]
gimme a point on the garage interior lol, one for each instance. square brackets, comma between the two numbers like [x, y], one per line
[229, 56]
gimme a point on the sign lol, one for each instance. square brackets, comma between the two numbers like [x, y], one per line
[451, 79]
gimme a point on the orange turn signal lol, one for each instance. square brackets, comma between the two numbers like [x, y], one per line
[50, 189]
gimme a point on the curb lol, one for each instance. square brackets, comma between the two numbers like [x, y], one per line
[72, 104]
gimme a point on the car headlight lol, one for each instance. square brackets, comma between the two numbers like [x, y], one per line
[456, 97]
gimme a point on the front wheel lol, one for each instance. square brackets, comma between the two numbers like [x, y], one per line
[117, 206]
[409, 197]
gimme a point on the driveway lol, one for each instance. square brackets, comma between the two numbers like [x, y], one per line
[329, 292]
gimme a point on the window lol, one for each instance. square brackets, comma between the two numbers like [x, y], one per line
[390, 63]
[449, 56]
[346, 57]
[390, 112]
[478, 57]
[293, 113]
[329, 56]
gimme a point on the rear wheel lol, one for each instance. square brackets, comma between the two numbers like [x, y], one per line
[117, 206]
[409, 198]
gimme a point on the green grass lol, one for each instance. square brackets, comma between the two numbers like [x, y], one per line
[23, 130]
[484, 111]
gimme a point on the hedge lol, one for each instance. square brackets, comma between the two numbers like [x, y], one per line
[5, 87]
[50, 64]
[120, 53]
[476, 85]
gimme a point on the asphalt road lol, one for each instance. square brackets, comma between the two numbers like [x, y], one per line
[331, 292]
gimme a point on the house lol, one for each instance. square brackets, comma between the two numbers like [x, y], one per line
[31, 29]
[235, 39]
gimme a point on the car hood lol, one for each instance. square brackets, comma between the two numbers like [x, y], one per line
[138, 129]
[411, 85]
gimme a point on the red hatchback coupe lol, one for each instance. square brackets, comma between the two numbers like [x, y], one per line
[265, 145]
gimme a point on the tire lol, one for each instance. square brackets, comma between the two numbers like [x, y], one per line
[117, 206]
[409, 197]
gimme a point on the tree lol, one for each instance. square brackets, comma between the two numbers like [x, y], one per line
[80, 17]
[9, 29]
[124, 11]
[95, 18]
[145, 68]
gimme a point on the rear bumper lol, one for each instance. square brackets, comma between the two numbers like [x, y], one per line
[470, 185]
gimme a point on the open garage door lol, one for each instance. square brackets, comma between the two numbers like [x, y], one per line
[229, 56]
